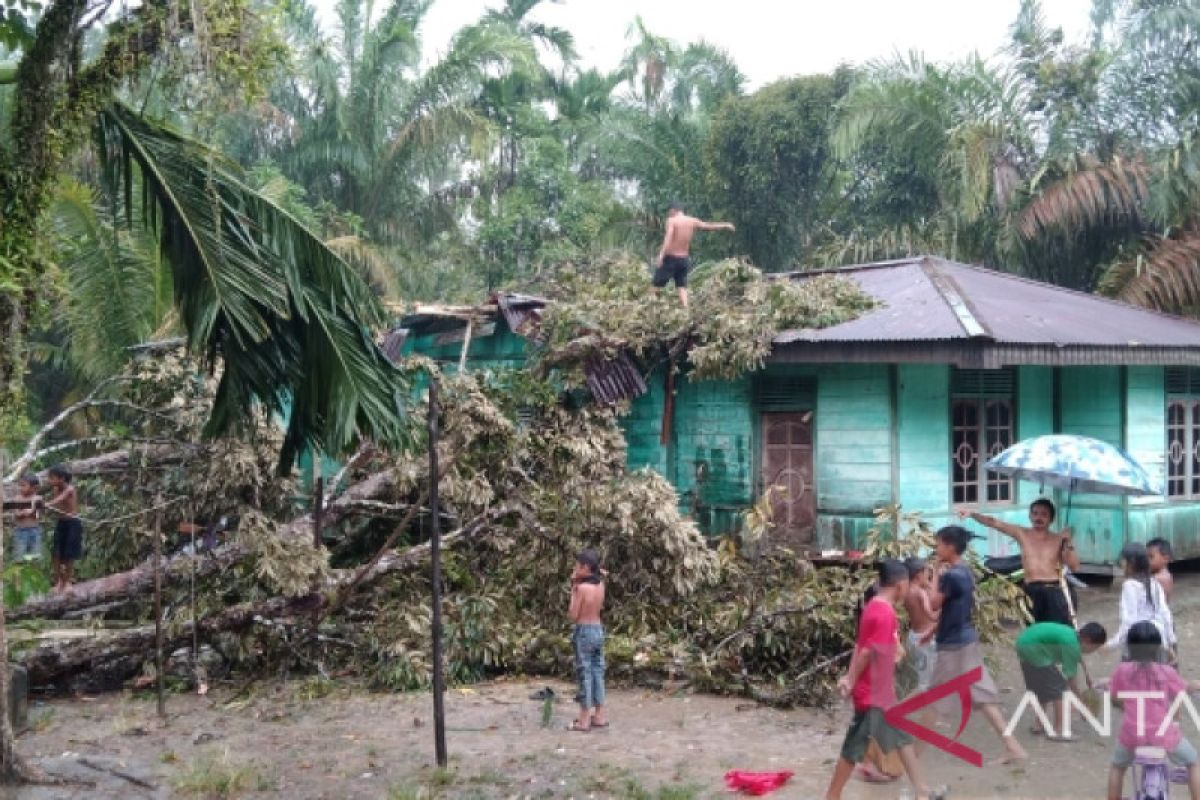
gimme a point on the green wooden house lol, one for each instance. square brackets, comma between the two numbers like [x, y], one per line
[902, 405]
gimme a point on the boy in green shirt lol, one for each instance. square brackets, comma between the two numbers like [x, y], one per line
[1050, 653]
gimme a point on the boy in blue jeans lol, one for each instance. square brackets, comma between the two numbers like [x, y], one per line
[587, 600]
[27, 530]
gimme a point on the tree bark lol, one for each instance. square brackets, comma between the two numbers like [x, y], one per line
[106, 662]
[138, 583]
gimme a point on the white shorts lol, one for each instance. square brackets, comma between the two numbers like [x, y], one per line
[923, 657]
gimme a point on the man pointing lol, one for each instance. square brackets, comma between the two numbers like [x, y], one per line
[673, 262]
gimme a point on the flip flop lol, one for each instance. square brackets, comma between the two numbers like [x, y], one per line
[599, 724]
[575, 726]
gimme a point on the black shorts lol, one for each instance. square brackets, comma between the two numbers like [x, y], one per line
[867, 725]
[1046, 683]
[68, 540]
[673, 268]
[1047, 602]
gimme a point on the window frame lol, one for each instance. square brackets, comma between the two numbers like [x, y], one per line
[983, 398]
[1190, 427]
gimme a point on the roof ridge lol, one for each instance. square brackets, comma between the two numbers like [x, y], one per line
[955, 298]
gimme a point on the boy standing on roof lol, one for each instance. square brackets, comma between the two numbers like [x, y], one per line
[673, 257]
[1043, 555]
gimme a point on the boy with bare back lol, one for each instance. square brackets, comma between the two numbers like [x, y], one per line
[1159, 551]
[922, 620]
[68, 531]
[587, 600]
[673, 257]
[1043, 556]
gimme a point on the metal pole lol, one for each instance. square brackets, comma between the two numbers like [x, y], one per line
[160, 687]
[435, 549]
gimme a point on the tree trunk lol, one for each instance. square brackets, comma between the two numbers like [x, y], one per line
[106, 662]
[138, 583]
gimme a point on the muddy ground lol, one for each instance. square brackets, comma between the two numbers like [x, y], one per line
[308, 739]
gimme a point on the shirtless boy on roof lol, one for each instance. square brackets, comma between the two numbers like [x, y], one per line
[1043, 555]
[673, 263]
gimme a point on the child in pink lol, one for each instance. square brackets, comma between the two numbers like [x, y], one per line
[1149, 688]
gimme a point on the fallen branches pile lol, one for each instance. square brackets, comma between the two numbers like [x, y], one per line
[735, 313]
[527, 484]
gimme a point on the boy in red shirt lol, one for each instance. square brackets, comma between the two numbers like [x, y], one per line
[871, 682]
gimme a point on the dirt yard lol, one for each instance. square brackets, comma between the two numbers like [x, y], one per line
[311, 740]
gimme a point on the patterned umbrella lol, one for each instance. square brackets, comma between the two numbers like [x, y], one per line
[1077, 464]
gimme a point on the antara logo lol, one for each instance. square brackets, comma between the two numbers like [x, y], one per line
[1135, 703]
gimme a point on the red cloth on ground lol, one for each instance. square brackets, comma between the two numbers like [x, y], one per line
[756, 783]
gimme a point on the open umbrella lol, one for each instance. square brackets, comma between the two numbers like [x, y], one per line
[1077, 464]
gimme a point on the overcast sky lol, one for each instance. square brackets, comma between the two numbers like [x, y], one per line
[774, 38]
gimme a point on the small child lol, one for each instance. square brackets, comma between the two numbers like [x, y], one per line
[587, 600]
[1143, 599]
[1156, 685]
[27, 531]
[1159, 551]
[1050, 654]
[67, 547]
[922, 620]
[870, 682]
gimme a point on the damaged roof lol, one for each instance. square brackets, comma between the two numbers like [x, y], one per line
[609, 380]
[973, 316]
[930, 310]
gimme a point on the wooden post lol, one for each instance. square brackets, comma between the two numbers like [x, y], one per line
[466, 345]
[8, 755]
[160, 686]
[435, 548]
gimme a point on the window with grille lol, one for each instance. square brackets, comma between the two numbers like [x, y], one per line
[1183, 432]
[981, 426]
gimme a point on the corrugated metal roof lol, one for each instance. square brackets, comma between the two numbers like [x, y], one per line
[609, 380]
[930, 299]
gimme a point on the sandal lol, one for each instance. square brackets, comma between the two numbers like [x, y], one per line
[599, 724]
[575, 726]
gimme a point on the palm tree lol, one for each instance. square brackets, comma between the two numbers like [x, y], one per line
[256, 292]
[1133, 182]
[366, 128]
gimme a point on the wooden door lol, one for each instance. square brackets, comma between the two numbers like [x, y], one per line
[787, 463]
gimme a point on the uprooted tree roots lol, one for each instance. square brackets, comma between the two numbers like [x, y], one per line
[527, 484]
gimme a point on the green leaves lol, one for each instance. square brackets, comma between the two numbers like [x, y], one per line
[285, 317]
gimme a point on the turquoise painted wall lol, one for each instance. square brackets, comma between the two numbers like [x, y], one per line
[854, 446]
[923, 436]
[882, 433]
[713, 451]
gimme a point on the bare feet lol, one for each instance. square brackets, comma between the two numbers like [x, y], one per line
[1015, 751]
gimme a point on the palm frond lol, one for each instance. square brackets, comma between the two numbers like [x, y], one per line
[372, 263]
[1092, 193]
[114, 282]
[1166, 277]
[285, 316]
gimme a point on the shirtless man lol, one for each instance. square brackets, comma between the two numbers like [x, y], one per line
[673, 263]
[587, 599]
[67, 546]
[1043, 555]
